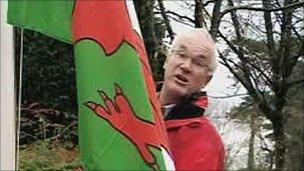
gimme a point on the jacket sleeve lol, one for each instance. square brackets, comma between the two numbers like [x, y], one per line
[207, 152]
[197, 146]
[210, 156]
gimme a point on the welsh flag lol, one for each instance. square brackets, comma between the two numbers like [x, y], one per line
[120, 123]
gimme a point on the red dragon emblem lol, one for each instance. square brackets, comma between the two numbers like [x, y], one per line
[120, 114]
[108, 24]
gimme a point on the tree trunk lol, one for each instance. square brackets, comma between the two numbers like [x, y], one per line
[144, 10]
[278, 131]
[216, 20]
[198, 14]
[166, 20]
[250, 162]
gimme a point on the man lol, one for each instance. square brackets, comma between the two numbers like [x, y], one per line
[194, 142]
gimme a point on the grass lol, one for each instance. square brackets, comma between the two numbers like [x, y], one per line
[46, 155]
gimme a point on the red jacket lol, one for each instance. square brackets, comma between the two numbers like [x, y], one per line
[195, 143]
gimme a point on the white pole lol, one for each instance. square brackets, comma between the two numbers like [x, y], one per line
[8, 103]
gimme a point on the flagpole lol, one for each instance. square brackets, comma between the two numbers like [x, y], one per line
[8, 103]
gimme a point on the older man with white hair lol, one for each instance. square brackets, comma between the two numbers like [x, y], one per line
[194, 142]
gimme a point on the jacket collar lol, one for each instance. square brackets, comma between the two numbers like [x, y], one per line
[190, 107]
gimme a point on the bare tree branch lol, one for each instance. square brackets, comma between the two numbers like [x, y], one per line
[233, 71]
[294, 82]
[228, 96]
[249, 7]
[167, 22]
[180, 21]
[236, 50]
[208, 2]
[269, 29]
[284, 52]
[180, 16]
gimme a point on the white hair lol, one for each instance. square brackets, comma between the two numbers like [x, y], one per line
[204, 37]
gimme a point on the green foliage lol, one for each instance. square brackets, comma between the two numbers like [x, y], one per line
[253, 45]
[157, 64]
[48, 75]
[256, 168]
[38, 123]
[296, 93]
[294, 121]
[160, 53]
[49, 103]
[244, 110]
[295, 140]
[47, 155]
[159, 28]
[294, 129]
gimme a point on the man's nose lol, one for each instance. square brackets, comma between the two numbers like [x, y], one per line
[186, 65]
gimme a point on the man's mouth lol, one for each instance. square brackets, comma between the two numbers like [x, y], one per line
[181, 79]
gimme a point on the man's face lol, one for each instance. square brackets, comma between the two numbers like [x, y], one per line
[187, 69]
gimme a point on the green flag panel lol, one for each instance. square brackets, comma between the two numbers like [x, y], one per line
[104, 147]
[50, 17]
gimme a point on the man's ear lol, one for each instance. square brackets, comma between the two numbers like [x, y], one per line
[209, 77]
[166, 63]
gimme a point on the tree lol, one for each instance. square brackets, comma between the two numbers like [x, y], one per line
[294, 124]
[266, 76]
[259, 147]
[153, 31]
[262, 56]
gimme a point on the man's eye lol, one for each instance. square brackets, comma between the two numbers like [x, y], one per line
[201, 64]
[182, 55]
